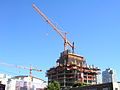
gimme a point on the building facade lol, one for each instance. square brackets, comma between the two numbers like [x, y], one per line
[72, 68]
[104, 86]
[4, 79]
[26, 83]
[108, 76]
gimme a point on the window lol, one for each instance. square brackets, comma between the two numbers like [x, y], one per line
[89, 81]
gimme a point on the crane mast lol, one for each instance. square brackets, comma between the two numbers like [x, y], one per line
[66, 41]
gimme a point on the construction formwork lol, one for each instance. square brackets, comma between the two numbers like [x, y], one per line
[72, 68]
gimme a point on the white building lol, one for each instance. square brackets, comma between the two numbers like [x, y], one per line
[4, 79]
[26, 83]
[99, 80]
[108, 76]
[116, 86]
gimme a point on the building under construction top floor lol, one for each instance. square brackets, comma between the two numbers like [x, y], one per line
[72, 68]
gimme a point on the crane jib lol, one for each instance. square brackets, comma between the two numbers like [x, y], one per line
[66, 42]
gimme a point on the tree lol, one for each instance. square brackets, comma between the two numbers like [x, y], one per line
[79, 84]
[54, 85]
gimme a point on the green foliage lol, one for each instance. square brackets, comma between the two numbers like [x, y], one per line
[79, 84]
[54, 85]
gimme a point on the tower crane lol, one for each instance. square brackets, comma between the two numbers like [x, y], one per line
[21, 67]
[66, 41]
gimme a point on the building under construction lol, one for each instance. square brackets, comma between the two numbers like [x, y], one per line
[72, 68]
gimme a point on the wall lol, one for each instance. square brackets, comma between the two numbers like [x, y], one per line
[116, 86]
[107, 86]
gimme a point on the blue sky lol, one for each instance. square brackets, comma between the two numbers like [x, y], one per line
[26, 39]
